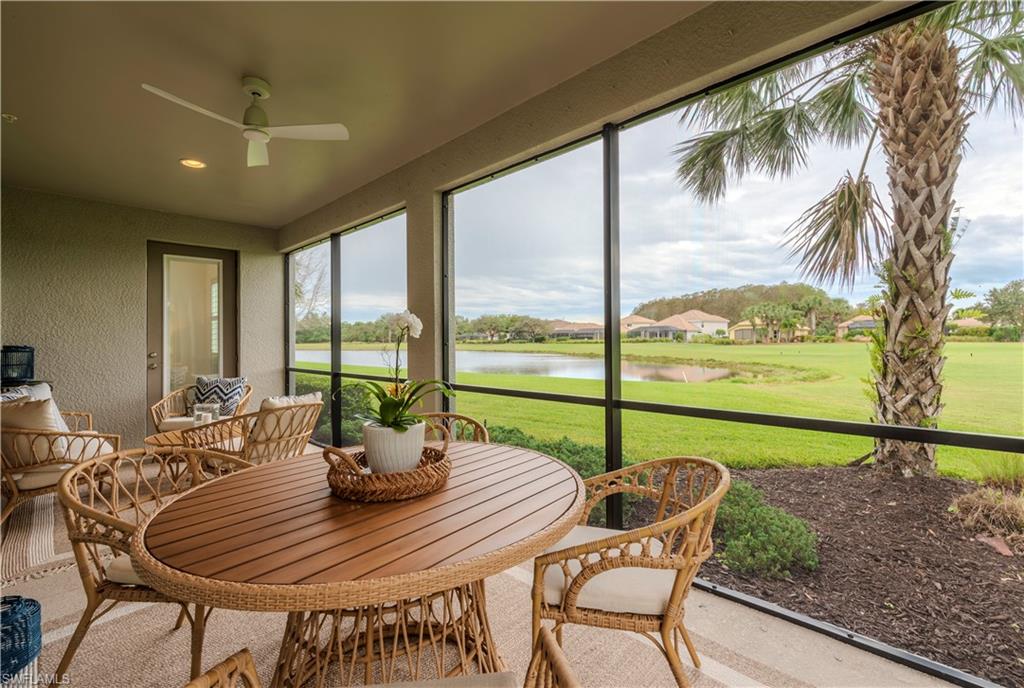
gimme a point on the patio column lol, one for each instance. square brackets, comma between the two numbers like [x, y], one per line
[424, 265]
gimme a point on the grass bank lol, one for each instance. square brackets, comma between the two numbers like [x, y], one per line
[984, 392]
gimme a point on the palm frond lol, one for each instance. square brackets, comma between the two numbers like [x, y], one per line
[769, 124]
[781, 137]
[992, 72]
[707, 161]
[991, 16]
[840, 108]
[737, 104]
[838, 238]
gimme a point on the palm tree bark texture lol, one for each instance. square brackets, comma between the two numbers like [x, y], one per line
[922, 121]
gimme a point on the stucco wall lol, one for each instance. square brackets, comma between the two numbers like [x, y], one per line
[720, 41]
[73, 284]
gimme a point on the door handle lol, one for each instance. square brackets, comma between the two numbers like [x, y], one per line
[152, 366]
[152, 354]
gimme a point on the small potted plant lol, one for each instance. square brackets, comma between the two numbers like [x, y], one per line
[393, 435]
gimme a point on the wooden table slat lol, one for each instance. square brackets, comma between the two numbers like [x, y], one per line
[332, 539]
[218, 538]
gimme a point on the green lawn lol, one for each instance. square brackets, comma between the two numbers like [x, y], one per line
[984, 392]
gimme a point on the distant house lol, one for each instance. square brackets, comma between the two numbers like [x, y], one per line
[630, 321]
[969, 322]
[858, 324]
[708, 323]
[743, 331]
[563, 329]
[670, 328]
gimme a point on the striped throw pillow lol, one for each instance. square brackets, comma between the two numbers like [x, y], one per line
[226, 391]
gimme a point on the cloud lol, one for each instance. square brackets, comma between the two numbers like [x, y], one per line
[531, 242]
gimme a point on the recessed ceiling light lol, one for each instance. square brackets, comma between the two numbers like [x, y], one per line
[194, 164]
[8, 117]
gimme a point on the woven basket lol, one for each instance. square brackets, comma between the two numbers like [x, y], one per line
[350, 477]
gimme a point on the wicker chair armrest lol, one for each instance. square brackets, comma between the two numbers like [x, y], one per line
[75, 419]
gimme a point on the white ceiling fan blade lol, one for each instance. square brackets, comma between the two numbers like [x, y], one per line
[191, 106]
[310, 132]
[258, 155]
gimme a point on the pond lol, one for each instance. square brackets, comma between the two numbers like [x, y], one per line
[549, 365]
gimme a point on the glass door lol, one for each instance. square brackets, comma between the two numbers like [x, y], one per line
[192, 316]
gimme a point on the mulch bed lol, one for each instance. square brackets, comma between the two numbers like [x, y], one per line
[896, 566]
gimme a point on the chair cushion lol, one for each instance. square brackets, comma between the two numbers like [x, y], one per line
[175, 423]
[32, 414]
[626, 590]
[46, 476]
[120, 571]
[281, 402]
[226, 391]
[505, 679]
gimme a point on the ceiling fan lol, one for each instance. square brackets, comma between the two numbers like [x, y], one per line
[256, 127]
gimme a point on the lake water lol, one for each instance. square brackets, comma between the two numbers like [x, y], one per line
[550, 365]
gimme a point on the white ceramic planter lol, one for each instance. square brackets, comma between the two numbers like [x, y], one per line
[390, 451]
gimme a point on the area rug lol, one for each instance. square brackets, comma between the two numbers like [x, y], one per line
[35, 541]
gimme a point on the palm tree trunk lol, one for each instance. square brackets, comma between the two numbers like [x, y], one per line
[922, 121]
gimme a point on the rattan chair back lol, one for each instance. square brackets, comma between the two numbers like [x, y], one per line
[460, 428]
[261, 437]
[178, 402]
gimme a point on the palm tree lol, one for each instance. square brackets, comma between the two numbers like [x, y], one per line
[909, 90]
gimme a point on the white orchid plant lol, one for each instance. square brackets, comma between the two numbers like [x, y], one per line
[396, 400]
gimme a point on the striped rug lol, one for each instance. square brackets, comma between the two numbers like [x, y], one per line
[35, 541]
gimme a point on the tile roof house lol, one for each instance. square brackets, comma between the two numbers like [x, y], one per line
[707, 322]
[630, 321]
[667, 328]
[576, 330]
[969, 322]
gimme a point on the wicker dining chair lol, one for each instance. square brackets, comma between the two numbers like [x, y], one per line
[104, 501]
[270, 434]
[460, 428]
[635, 580]
[175, 406]
[35, 460]
[237, 671]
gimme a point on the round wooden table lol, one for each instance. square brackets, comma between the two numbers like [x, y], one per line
[380, 585]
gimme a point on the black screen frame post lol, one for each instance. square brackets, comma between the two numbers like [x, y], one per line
[336, 340]
[612, 305]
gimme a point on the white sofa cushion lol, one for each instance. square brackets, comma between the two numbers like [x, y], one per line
[176, 423]
[32, 414]
[627, 590]
[47, 476]
[83, 447]
[120, 570]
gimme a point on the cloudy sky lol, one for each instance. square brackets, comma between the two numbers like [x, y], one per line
[530, 242]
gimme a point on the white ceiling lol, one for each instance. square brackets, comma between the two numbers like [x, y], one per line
[404, 77]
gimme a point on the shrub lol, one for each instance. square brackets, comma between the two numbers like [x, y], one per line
[971, 331]
[724, 342]
[1005, 334]
[702, 339]
[760, 539]
[1002, 470]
